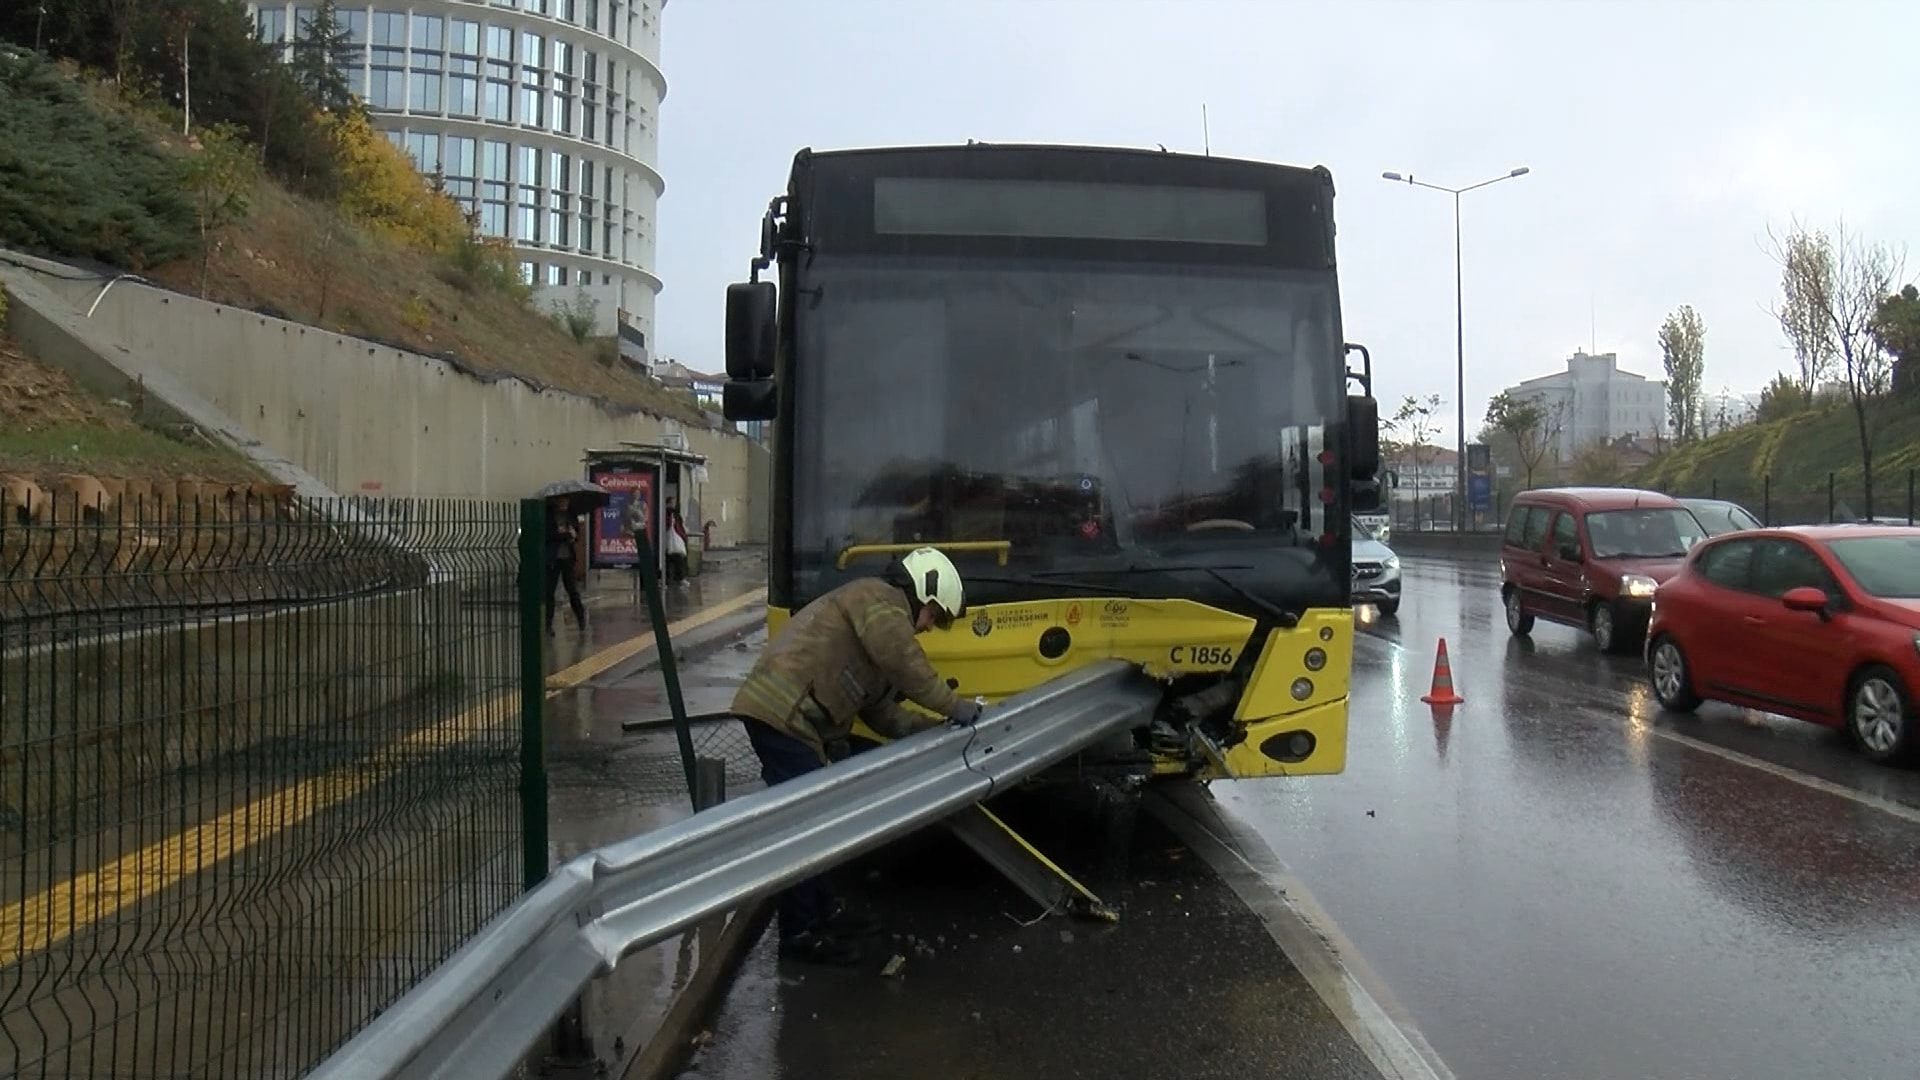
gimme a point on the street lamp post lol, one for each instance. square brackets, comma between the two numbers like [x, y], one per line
[1459, 338]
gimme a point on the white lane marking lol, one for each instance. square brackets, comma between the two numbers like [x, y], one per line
[1890, 807]
[1806, 780]
[1304, 931]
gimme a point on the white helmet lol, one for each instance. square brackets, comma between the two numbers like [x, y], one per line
[933, 579]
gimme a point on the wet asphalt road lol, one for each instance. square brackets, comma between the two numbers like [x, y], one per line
[1564, 881]
[1558, 880]
[1188, 983]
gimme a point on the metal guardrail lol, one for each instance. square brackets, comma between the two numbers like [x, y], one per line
[480, 1012]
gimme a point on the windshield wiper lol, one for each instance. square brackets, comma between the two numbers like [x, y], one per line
[1283, 616]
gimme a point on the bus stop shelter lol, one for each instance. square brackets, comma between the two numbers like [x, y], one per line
[643, 478]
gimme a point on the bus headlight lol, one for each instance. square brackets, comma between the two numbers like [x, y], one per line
[1302, 689]
[1316, 658]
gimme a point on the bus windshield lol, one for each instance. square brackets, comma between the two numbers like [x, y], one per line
[1103, 420]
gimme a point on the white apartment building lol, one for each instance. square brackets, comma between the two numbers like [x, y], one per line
[543, 116]
[1597, 400]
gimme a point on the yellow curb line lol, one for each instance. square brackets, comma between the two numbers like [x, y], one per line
[570, 677]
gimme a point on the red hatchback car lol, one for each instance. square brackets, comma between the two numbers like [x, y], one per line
[1819, 622]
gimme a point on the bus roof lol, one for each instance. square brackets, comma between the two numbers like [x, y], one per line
[1170, 160]
[1098, 202]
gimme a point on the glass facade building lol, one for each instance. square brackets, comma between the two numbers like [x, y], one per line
[542, 118]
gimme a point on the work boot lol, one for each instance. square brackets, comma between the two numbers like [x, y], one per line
[820, 947]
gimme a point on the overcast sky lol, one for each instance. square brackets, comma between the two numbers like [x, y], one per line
[1663, 138]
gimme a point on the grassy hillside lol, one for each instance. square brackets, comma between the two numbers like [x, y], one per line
[98, 173]
[1789, 461]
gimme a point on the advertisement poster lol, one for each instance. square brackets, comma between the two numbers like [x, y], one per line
[631, 504]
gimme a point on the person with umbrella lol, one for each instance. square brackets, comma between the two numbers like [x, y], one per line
[563, 535]
[562, 539]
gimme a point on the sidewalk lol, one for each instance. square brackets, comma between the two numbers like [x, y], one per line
[617, 609]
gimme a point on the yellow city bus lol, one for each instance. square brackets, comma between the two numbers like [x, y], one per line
[1112, 385]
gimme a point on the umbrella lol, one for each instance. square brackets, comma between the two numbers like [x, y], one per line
[582, 497]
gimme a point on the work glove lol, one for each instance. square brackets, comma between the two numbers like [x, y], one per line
[964, 712]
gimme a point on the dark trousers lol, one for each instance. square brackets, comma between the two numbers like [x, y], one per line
[782, 757]
[561, 573]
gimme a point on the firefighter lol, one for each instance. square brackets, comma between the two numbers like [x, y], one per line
[851, 653]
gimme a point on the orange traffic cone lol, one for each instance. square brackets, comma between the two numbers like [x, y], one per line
[1442, 692]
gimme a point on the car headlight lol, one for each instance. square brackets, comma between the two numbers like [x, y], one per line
[1393, 562]
[1638, 586]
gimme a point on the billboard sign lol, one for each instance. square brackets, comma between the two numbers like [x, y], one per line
[630, 508]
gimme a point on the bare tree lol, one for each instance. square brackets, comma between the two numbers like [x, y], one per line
[1831, 291]
[1806, 272]
[1413, 426]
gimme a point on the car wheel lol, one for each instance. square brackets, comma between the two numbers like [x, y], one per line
[1606, 629]
[1518, 620]
[1672, 682]
[1600, 622]
[1389, 608]
[1880, 714]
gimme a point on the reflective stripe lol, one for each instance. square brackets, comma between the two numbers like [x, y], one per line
[772, 692]
[879, 609]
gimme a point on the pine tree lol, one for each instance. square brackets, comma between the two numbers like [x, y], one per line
[323, 51]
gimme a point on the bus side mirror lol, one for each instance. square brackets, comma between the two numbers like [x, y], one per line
[750, 314]
[755, 400]
[1363, 433]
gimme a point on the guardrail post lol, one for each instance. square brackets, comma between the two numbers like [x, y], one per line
[710, 782]
[1830, 497]
[533, 693]
[1766, 499]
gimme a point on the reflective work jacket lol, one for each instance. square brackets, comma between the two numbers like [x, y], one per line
[846, 655]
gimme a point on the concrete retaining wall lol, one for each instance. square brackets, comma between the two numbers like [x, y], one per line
[371, 419]
[118, 710]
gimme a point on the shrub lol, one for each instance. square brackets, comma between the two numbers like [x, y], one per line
[220, 176]
[486, 264]
[380, 188]
[577, 318]
[416, 313]
[73, 183]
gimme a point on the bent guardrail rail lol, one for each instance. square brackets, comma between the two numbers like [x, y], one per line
[480, 1012]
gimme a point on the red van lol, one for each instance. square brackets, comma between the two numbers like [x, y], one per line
[1591, 558]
